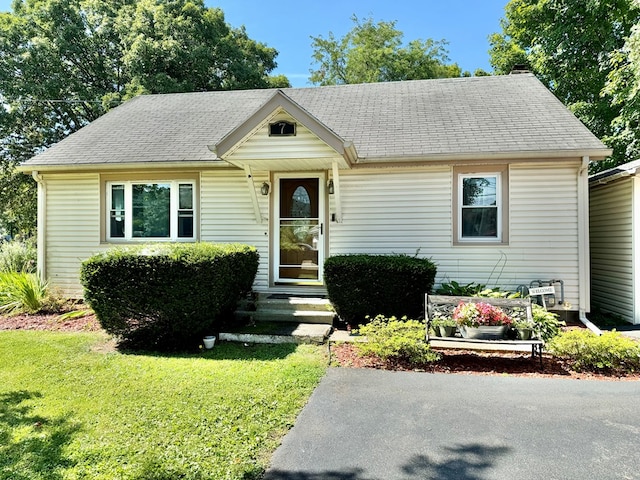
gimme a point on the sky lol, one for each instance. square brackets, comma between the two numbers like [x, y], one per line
[288, 26]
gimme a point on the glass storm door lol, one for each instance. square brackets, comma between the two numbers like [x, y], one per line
[299, 253]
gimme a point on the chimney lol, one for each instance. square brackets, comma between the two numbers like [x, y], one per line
[519, 68]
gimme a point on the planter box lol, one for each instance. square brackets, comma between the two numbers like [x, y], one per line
[483, 333]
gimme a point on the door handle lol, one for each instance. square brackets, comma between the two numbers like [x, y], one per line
[321, 228]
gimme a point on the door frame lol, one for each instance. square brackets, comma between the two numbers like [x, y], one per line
[275, 228]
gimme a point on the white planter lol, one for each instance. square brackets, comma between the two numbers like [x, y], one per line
[209, 341]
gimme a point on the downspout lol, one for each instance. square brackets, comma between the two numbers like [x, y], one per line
[584, 275]
[41, 219]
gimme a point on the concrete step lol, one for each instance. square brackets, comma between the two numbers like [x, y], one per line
[275, 315]
[292, 333]
[295, 303]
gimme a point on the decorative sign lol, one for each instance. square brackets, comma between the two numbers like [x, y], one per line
[550, 290]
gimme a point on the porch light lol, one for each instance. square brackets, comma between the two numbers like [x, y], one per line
[264, 189]
[330, 187]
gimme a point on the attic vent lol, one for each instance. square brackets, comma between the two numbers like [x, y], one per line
[282, 129]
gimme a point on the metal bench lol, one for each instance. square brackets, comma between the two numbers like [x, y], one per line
[443, 305]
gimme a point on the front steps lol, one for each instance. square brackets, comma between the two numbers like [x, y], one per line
[286, 308]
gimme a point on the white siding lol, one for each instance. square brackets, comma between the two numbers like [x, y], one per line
[227, 214]
[611, 231]
[304, 145]
[396, 211]
[72, 228]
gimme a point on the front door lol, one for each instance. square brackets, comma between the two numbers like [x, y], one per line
[299, 253]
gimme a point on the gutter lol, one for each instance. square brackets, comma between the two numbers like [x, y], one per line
[584, 274]
[41, 219]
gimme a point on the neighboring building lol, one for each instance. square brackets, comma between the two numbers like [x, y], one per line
[487, 176]
[615, 240]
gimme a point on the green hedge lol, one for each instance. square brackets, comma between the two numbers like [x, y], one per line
[166, 297]
[370, 285]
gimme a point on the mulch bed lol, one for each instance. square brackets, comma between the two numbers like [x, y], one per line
[465, 362]
[462, 362]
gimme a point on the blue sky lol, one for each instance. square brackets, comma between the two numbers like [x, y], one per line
[287, 25]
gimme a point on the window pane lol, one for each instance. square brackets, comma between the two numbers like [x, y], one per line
[186, 197]
[185, 224]
[151, 210]
[116, 226]
[480, 222]
[479, 191]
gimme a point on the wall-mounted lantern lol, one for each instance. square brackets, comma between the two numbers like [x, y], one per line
[330, 187]
[264, 189]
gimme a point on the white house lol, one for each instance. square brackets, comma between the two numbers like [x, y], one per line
[615, 240]
[487, 176]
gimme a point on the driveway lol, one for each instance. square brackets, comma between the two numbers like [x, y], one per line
[369, 424]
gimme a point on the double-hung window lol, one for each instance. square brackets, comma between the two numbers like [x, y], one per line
[481, 207]
[151, 210]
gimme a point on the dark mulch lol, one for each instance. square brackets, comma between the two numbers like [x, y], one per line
[88, 323]
[467, 362]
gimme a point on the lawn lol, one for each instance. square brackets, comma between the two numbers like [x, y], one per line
[71, 407]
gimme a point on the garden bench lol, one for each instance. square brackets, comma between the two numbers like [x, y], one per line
[443, 305]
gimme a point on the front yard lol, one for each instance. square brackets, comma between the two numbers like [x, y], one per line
[73, 407]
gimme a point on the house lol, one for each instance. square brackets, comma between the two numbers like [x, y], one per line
[615, 244]
[487, 176]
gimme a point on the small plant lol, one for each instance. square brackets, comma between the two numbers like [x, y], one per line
[441, 321]
[454, 289]
[397, 340]
[546, 324]
[18, 256]
[610, 352]
[22, 293]
[480, 314]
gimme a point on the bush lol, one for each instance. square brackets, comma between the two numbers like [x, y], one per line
[166, 297]
[397, 340]
[368, 285]
[17, 256]
[545, 323]
[610, 352]
[22, 292]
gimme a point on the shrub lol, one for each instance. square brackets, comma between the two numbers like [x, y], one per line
[545, 323]
[166, 297]
[22, 292]
[610, 352]
[367, 285]
[17, 256]
[397, 340]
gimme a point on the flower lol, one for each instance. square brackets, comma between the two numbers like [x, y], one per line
[480, 314]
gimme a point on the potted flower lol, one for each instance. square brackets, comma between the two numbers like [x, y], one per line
[524, 329]
[444, 326]
[481, 320]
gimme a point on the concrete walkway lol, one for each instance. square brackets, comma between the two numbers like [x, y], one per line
[377, 425]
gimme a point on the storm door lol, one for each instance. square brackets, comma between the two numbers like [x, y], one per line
[299, 252]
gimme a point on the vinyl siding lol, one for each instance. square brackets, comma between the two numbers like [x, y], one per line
[612, 251]
[303, 146]
[72, 228]
[227, 214]
[395, 211]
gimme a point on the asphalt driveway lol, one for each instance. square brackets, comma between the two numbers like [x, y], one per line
[368, 424]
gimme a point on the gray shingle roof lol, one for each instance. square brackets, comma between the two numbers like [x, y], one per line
[482, 116]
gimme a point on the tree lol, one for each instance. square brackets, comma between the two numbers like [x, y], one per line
[63, 63]
[373, 52]
[623, 86]
[568, 45]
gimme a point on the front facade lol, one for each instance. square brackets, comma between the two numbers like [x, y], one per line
[615, 249]
[485, 176]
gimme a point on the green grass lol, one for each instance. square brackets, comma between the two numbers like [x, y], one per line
[70, 408]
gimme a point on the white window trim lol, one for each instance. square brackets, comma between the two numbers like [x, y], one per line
[499, 207]
[128, 209]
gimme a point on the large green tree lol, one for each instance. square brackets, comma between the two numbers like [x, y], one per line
[374, 52]
[63, 63]
[568, 44]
